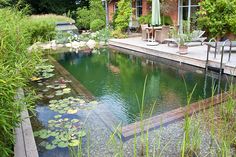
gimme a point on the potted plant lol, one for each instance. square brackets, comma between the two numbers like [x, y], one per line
[183, 40]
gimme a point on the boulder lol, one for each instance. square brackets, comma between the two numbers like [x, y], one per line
[91, 44]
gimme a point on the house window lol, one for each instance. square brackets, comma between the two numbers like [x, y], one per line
[187, 12]
[139, 11]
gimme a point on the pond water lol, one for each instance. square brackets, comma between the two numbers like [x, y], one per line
[117, 80]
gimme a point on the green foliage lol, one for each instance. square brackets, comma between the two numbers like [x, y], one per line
[123, 15]
[52, 6]
[101, 35]
[83, 18]
[166, 20]
[97, 24]
[86, 15]
[41, 30]
[146, 19]
[118, 34]
[16, 66]
[42, 27]
[217, 17]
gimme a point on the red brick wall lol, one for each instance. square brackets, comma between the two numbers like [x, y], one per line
[172, 12]
[146, 7]
[111, 9]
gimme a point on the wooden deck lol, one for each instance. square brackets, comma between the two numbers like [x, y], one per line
[154, 122]
[196, 56]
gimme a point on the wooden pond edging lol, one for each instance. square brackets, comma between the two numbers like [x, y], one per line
[166, 118]
[25, 145]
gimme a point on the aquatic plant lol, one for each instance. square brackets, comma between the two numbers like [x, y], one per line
[63, 132]
[71, 105]
[43, 72]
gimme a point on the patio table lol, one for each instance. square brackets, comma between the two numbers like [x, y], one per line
[151, 30]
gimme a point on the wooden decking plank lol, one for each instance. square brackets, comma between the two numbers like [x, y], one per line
[173, 115]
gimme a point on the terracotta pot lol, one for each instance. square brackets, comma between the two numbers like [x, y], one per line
[183, 50]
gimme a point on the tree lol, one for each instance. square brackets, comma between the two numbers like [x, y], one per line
[86, 15]
[52, 6]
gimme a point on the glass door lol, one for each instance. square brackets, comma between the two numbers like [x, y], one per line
[187, 17]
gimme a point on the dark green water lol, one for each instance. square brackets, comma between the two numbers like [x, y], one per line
[117, 80]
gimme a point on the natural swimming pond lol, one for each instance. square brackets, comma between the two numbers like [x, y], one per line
[117, 80]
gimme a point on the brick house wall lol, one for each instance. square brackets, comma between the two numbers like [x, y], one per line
[146, 8]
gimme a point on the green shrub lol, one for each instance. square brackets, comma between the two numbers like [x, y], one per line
[146, 19]
[217, 17]
[166, 20]
[17, 65]
[85, 16]
[118, 34]
[97, 24]
[42, 27]
[123, 15]
[41, 30]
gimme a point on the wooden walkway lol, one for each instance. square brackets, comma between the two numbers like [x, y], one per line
[129, 131]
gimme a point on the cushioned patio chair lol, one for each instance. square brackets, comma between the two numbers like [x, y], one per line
[161, 35]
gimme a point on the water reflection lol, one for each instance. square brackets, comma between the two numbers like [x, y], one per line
[117, 79]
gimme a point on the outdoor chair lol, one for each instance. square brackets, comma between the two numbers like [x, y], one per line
[161, 35]
[195, 36]
[145, 32]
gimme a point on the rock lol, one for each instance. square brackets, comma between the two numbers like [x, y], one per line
[53, 44]
[77, 45]
[91, 44]
[60, 45]
[68, 45]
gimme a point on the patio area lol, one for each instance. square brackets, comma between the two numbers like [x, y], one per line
[197, 54]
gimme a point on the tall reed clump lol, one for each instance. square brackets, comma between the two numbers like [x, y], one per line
[192, 137]
[17, 65]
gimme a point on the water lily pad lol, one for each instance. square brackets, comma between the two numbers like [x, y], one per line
[81, 133]
[74, 143]
[35, 78]
[59, 93]
[94, 102]
[71, 111]
[74, 120]
[57, 116]
[50, 96]
[52, 101]
[81, 101]
[62, 144]
[50, 146]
